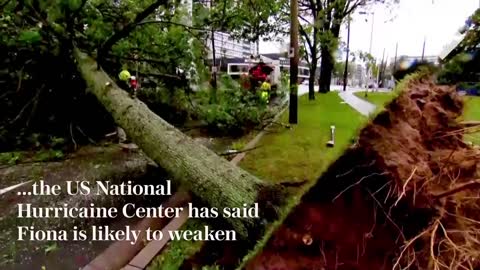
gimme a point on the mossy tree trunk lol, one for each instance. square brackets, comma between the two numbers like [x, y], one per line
[213, 179]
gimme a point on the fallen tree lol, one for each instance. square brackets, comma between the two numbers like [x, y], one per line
[211, 178]
[410, 186]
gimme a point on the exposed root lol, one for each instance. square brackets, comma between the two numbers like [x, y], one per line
[356, 184]
[405, 187]
[469, 185]
[419, 209]
[426, 135]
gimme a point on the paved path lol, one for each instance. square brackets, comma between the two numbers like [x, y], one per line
[362, 106]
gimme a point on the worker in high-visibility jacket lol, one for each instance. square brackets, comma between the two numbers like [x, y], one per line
[265, 91]
[129, 81]
[124, 75]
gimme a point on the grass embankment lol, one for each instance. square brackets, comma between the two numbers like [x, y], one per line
[472, 113]
[300, 153]
[379, 99]
[295, 154]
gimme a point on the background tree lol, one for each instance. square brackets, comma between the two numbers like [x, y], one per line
[321, 24]
[246, 20]
[150, 38]
[462, 64]
[42, 94]
[339, 69]
[57, 40]
[255, 20]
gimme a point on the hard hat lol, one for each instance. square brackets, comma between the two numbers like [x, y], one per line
[124, 75]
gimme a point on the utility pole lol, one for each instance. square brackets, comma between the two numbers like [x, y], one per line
[345, 73]
[395, 61]
[379, 69]
[369, 70]
[423, 49]
[188, 20]
[384, 70]
[213, 95]
[371, 34]
[293, 103]
[370, 49]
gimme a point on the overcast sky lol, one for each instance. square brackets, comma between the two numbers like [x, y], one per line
[413, 21]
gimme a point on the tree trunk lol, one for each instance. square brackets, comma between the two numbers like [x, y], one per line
[311, 80]
[326, 68]
[213, 94]
[313, 64]
[211, 178]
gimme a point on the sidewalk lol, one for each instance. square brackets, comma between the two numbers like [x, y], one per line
[364, 107]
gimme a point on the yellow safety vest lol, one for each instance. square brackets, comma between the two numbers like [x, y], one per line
[265, 86]
[264, 95]
[124, 75]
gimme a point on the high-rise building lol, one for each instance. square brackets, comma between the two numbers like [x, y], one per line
[227, 47]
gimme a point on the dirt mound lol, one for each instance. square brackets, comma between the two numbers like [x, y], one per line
[405, 197]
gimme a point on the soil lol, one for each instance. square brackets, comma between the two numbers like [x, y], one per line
[404, 197]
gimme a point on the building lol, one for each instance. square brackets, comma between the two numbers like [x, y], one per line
[227, 47]
[359, 78]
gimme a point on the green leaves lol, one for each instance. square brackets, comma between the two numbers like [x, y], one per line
[246, 19]
[464, 61]
[51, 248]
[30, 36]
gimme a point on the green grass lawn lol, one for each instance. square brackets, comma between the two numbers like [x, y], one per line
[472, 113]
[285, 154]
[300, 153]
[379, 99]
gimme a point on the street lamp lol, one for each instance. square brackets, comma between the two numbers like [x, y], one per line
[371, 31]
[369, 71]
[345, 73]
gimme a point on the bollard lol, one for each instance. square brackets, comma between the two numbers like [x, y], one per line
[331, 143]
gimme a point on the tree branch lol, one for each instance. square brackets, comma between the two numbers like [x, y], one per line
[160, 75]
[306, 37]
[348, 10]
[172, 23]
[127, 29]
[307, 58]
[153, 61]
[77, 11]
[303, 19]
[3, 5]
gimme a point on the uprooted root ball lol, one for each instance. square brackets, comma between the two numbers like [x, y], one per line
[406, 197]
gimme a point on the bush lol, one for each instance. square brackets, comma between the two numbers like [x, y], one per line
[227, 83]
[235, 112]
[171, 105]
